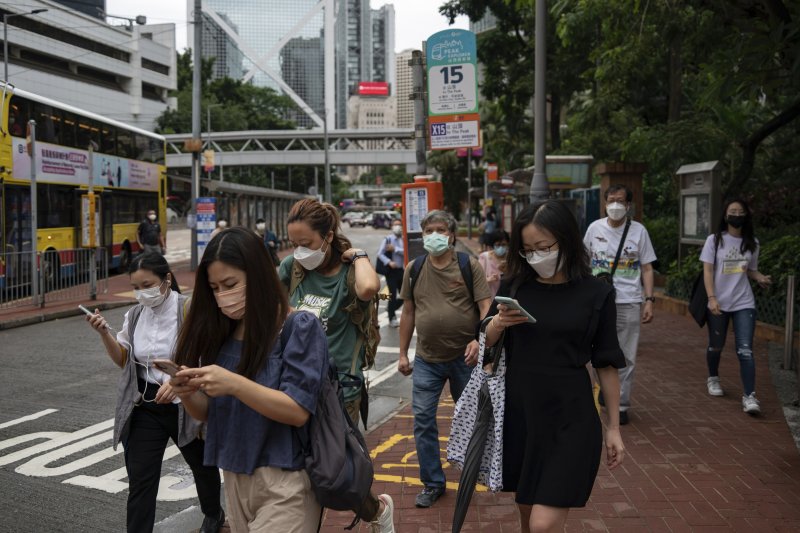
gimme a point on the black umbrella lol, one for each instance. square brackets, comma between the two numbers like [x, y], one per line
[484, 421]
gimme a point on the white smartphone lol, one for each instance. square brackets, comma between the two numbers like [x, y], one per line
[82, 308]
[511, 303]
[167, 366]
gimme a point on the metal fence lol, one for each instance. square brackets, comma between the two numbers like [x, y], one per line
[64, 275]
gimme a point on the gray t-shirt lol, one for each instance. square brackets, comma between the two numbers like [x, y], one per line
[731, 285]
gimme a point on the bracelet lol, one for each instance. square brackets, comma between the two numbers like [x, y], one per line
[650, 299]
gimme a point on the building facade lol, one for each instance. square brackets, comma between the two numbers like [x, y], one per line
[302, 61]
[218, 45]
[123, 73]
[403, 89]
[370, 113]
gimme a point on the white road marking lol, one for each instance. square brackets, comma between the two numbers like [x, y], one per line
[34, 416]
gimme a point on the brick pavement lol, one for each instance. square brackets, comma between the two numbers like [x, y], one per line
[695, 462]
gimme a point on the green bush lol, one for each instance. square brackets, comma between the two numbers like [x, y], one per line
[664, 235]
[680, 278]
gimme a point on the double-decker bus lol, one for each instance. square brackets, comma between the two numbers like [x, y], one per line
[129, 178]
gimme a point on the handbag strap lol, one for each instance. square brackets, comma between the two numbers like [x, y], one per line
[621, 245]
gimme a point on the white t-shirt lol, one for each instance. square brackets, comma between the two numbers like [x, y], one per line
[602, 242]
[731, 285]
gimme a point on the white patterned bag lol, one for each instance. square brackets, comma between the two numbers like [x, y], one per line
[466, 411]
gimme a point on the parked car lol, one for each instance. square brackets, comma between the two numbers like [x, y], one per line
[360, 220]
[172, 216]
[384, 219]
[350, 215]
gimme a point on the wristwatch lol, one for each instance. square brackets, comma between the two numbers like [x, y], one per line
[358, 255]
[650, 299]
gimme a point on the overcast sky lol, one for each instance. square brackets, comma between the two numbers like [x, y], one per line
[415, 19]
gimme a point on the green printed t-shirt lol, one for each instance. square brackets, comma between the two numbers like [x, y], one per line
[324, 296]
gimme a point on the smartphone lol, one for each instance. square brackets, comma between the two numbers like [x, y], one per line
[511, 303]
[82, 308]
[167, 366]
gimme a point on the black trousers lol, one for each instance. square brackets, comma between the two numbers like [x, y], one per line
[394, 278]
[151, 427]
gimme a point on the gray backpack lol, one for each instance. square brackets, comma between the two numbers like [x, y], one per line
[337, 460]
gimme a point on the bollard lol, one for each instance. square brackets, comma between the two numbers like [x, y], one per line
[788, 343]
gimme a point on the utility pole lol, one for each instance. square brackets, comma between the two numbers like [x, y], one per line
[540, 190]
[417, 64]
[469, 200]
[196, 70]
[327, 164]
[34, 221]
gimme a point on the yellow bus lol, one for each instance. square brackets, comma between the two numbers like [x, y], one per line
[127, 166]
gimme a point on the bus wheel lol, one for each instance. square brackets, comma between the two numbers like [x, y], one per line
[124, 258]
[51, 270]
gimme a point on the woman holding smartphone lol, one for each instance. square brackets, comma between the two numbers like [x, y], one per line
[148, 412]
[254, 383]
[552, 432]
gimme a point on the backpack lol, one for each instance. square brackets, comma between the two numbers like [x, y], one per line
[463, 265]
[365, 317]
[335, 453]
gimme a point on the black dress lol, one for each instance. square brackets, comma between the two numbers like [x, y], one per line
[552, 433]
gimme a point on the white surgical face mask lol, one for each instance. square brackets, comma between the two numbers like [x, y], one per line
[222, 224]
[616, 211]
[260, 226]
[544, 263]
[151, 296]
[152, 217]
[308, 258]
[397, 230]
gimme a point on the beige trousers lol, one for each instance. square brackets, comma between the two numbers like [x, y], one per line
[271, 499]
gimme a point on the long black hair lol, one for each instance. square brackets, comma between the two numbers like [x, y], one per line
[206, 328]
[749, 243]
[555, 217]
[154, 262]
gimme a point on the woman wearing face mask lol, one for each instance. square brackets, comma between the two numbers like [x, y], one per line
[253, 383]
[325, 256]
[552, 432]
[730, 260]
[148, 412]
[494, 260]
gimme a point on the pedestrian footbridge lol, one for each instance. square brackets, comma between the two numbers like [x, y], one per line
[298, 147]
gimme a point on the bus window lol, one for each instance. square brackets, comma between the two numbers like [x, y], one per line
[46, 127]
[55, 206]
[124, 208]
[141, 150]
[157, 149]
[18, 113]
[68, 134]
[125, 146]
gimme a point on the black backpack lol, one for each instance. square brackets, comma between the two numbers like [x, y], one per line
[337, 460]
[463, 265]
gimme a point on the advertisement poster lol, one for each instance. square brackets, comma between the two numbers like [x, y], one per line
[206, 222]
[59, 164]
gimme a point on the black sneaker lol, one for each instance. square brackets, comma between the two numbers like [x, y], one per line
[428, 496]
[623, 418]
[213, 525]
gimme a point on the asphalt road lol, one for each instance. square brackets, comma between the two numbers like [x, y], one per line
[58, 471]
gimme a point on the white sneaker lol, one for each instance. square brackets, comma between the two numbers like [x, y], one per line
[393, 323]
[385, 522]
[750, 405]
[714, 388]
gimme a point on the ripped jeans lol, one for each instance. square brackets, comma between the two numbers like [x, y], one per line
[744, 324]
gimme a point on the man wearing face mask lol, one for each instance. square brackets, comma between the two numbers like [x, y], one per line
[445, 312]
[389, 262]
[149, 235]
[633, 273]
[221, 225]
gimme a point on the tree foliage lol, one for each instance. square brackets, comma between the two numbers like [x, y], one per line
[656, 81]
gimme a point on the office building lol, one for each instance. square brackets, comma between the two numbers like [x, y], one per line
[120, 72]
[219, 46]
[93, 8]
[302, 61]
[403, 88]
[370, 113]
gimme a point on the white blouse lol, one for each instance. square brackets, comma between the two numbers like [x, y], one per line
[155, 337]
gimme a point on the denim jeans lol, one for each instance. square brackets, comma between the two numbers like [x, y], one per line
[429, 379]
[744, 324]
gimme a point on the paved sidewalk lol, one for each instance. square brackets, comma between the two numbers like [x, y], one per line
[695, 462]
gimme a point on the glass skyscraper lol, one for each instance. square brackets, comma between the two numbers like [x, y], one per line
[283, 46]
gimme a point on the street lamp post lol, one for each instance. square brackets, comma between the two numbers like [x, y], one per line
[208, 129]
[5, 37]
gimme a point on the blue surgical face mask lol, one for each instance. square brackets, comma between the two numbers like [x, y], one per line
[436, 244]
[500, 250]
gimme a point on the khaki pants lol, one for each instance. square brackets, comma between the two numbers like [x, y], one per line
[271, 499]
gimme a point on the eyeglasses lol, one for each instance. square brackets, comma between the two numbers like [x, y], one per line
[528, 255]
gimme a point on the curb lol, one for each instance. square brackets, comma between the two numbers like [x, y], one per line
[46, 316]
